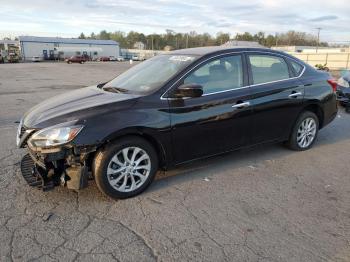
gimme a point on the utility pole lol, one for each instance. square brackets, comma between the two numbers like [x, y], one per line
[276, 38]
[152, 42]
[186, 40]
[318, 37]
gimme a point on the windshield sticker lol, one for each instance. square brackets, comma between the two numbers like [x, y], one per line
[181, 58]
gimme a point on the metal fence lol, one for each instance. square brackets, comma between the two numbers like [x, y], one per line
[332, 60]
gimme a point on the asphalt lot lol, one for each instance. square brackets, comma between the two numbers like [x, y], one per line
[262, 204]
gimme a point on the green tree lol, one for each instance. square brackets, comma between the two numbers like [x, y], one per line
[104, 35]
[82, 36]
[193, 39]
[222, 38]
[244, 37]
[92, 36]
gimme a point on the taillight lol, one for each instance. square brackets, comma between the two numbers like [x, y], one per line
[333, 84]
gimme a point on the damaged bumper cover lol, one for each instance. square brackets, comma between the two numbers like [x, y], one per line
[343, 96]
[64, 165]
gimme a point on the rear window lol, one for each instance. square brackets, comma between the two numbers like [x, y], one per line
[297, 68]
[268, 68]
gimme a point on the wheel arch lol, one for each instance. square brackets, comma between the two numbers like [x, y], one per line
[312, 107]
[317, 110]
[141, 133]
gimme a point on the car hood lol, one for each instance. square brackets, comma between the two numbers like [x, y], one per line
[75, 105]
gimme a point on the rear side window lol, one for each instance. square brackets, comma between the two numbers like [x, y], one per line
[297, 68]
[268, 68]
[218, 75]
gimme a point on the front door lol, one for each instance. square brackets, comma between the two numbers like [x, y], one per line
[277, 96]
[212, 123]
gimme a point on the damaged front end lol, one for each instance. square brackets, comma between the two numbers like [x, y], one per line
[45, 167]
[343, 96]
[343, 91]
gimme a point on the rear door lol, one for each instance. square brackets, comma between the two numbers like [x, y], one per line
[277, 96]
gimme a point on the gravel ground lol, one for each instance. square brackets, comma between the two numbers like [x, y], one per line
[262, 204]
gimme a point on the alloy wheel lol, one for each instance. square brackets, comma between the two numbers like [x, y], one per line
[306, 132]
[129, 169]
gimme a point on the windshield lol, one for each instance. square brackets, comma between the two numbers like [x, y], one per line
[150, 75]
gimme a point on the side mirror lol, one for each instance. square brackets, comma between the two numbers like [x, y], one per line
[189, 90]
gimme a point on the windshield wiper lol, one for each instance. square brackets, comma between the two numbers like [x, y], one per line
[115, 89]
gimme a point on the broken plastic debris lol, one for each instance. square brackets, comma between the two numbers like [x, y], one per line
[206, 179]
[47, 216]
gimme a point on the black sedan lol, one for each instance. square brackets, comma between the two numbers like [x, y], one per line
[173, 108]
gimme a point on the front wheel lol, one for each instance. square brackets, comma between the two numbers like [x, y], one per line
[125, 168]
[304, 132]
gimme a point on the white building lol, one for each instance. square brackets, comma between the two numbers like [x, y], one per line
[233, 43]
[140, 45]
[50, 48]
[312, 49]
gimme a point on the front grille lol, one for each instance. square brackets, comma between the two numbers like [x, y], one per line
[34, 176]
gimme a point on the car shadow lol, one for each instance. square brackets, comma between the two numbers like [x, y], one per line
[213, 166]
[336, 132]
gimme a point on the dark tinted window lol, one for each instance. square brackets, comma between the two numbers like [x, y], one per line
[268, 68]
[297, 68]
[218, 75]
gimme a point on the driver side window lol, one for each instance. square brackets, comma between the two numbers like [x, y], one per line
[217, 75]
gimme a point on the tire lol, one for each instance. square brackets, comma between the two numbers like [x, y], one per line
[293, 142]
[111, 158]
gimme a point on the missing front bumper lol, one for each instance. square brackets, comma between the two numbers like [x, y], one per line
[38, 174]
[34, 176]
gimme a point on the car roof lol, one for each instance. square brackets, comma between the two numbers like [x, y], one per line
[202, 51]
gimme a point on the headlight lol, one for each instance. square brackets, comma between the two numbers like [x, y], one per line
[54, 136]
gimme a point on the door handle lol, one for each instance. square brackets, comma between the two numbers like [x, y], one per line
[296, 94]
[241, 105]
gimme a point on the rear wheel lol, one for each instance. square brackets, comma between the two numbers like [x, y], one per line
[304, 132]
[125, 168]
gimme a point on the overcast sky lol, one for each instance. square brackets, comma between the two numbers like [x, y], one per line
[68, 18]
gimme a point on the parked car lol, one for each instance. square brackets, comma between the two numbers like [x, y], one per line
[76, 59]
[171, 109]
[36, 59]
[104, 59]
[137, 58]
[120, 59]
[343, 91]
